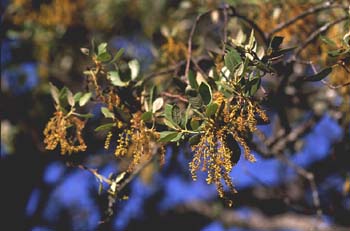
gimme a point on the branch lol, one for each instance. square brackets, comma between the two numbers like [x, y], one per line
[256, 220]
[316, 33]
[327, 5]
[179, 97]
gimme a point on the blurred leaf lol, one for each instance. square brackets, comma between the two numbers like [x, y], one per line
[70, 98]
[276, 41]
[84, 99]
[176, 114]
[167, 136]
[194, 124]
[54, 93]
[328, 41]
[88, 115]
[157, 104]
[103, 127]
[134, 66]
[101, 49]
[77, 96]
[253, 86]
[232, 58]
[205, 92]
[192, 79]
[85, 51]
[211, 109]
[104, 57]
[195, 139]
[114, 77]
[252, 42]
[107, 113]
[147, 116]
[117, 55]
[320, 75]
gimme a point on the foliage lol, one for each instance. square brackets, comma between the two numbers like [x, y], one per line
[218, 72]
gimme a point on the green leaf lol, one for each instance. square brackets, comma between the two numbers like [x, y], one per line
[168, 110]
[70, 98]
[167, 136]
[194, 98]
[276, 41]
[252, 42]
[114, 77]
[117, 55]
[170, 124]
[153, 92]
[187, 114]
[195, 139]
[102, 48]
[88, 115]
[84, 99]
[147, 116]
[232, 58]
[211, 109]
[104, 57]
[192, 80]
[134, 66]
[157, 104]
[328, 41]
[107, 113]
[77, 96]
[195, 124]
[320, 75]
[176, 114]
[205, 93]
[103, 127]
[253, 86]
[54, 93]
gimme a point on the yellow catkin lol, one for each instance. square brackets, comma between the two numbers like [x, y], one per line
[55, 133]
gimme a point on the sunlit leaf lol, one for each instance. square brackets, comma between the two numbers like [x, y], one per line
[167, 136]
[84, 99]
[157, 104]
[107, 113]
[104, 127]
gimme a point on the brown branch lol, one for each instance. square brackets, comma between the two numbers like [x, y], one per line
[179, 97]
[326, 6]
[256, 220]
[189, 43]
[335, 86]
[316, 33]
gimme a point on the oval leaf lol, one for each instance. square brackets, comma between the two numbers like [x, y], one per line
[320, 75]
[104, 127]
[205, 93]
[157, 104]
[211, 109]
[107, 113]
[167, 136]
[84, 99]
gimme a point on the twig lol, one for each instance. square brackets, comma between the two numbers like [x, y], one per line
[335, 86]
[100, 178]
[257, 221]
[316, 33]
[179, 97]
[189, 44]
[224, 29]
[326, 6]
[308, 176]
